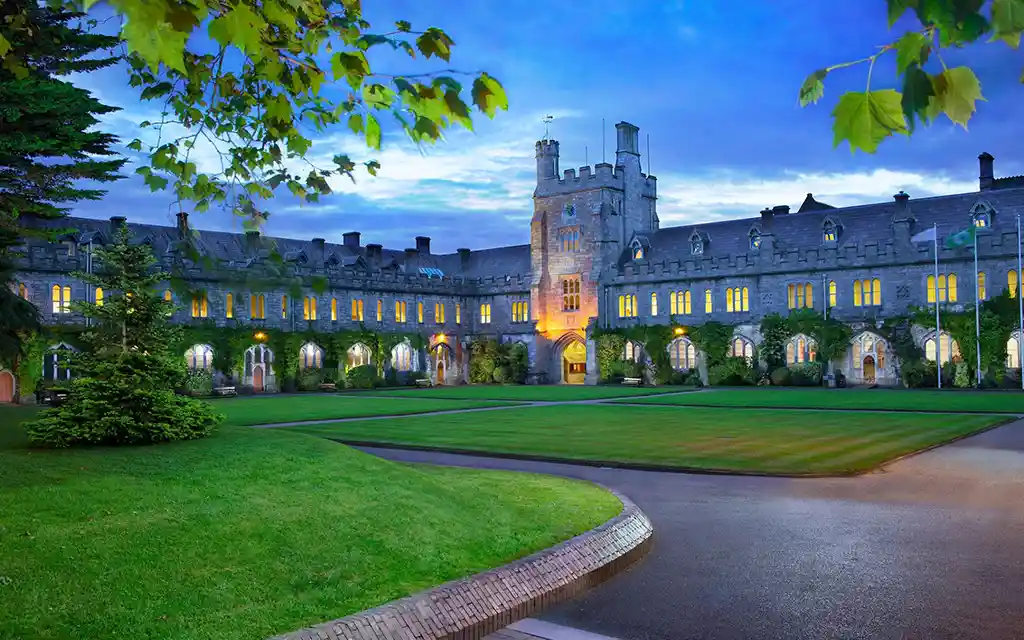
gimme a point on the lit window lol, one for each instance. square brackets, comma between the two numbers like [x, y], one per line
[485, 313]
[520, 311]
[982, 220]
[229, 306]
[947, 347]
[284, 306]
[708, 306]
[829, 234]
[357, 309]
[311, 356]
[982, 290]
[400, 311]
[1013, 351]
[742, 348]
[570, 240]
[737, 299]
[439, 313]
[832, 291]
[801, 349]
[697, 247]
[22, 291]
[419, 312]
[61, 299]
[682, 354]
[800, 296]
[358, 355]
[257, 307]
[627, 306]
[638, 253]
[169, 298]
[755, 241]
[334, 309]
[679, 301]
[571, 294]
[199, 356]
[1012, 282]
[309, 308]
[632, 351]
[458, 313]
[946, 290]
[867, 293]
[380, 309]
[99, 296]
[654, 304]
[401, 357]
[200, 306]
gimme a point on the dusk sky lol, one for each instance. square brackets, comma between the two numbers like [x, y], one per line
[713, 82]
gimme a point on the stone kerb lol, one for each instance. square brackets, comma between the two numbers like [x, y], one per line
[473, 607]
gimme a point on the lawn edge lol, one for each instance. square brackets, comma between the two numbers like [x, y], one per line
[473, 607]
[663, 468]
[490, 404]
[759, 407]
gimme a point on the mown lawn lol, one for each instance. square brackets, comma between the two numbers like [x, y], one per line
[530, 393]
[270, 409]
[778, 442]
[877, 399]
[250, 533]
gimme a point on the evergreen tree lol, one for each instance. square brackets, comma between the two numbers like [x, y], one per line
[123, 391]
[46, 146]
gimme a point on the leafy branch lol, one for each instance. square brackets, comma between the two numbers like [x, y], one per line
[865, 119]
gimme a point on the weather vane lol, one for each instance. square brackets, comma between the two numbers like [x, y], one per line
[547, 122]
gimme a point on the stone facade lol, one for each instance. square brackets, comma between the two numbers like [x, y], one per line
[596, 255]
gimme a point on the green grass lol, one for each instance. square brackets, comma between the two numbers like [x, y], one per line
[530, 393]
[271, 409]
[878, 399]
[781, 442]
[250, 533]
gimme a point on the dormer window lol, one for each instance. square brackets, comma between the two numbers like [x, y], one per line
[981, 214]
[830, 233]
[697, 247]
[637, 249]
[755, 239]
[638, 253]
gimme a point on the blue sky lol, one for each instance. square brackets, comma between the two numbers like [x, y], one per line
[713, 82]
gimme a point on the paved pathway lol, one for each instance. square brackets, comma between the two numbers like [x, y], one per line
[929, 547]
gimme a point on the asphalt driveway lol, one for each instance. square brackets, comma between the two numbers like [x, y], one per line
[929, 547]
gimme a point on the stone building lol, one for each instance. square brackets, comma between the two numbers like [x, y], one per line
[597, 257]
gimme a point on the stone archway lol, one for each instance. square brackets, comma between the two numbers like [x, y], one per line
[6, 386]
[440, 358]
[571, 359]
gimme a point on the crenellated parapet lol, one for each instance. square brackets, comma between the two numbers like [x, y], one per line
[600, 176]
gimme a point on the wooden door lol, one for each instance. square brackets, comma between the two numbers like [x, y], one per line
[6, 386]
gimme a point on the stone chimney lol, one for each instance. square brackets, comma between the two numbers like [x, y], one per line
[182, 223]
[374, 255]
[767, 214]
[986, 177]
[116, 222]
[780, 210]
[902, 204]
[318, 250]
[902, 221]
[252, 238]
[423, 245]
[351, 239]
[464, 258]
[411, 260]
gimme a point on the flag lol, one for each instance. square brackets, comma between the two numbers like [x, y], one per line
[960, 239]
[925, 236]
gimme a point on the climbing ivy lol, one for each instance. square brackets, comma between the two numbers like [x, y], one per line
[713, 339]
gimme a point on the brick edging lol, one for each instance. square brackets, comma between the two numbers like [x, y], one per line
[472, 607]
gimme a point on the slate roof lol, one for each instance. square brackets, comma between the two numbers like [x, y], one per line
[871, 222]
[235, 249]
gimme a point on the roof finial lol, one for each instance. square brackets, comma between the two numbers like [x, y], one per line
[547, 121]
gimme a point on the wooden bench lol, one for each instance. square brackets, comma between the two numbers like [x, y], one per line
[224, 391]
[328, 386]
[635, 382]
[424, 382]
[53, 397]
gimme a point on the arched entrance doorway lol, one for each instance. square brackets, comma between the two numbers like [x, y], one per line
[6, 386]
[442, 356]
[574, 363]
[258, 367]
[869, 369]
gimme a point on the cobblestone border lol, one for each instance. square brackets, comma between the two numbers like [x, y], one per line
[473, 607]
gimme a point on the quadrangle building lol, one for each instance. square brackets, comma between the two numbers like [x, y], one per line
[597, 257]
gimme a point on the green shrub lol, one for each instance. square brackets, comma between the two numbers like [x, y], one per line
[503, 374]
[962, 375]
[199, 382]
[519, 363]
[779, 377]
[362, 377]
[310, 379]
[807, 374]
[731, 372]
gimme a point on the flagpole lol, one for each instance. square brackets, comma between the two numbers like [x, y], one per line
[1020, 307]
[938, 327]
[977, 307]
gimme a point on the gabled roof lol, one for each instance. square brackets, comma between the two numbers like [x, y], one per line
[810, 204]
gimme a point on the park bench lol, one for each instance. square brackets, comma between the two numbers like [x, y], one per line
[635, 382]
[328, 386]
[225, 391]
[53, 397]
[424, 382]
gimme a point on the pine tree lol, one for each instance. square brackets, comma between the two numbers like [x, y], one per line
[123, 391]
[46, 146]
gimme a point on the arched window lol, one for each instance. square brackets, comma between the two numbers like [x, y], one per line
[284, 307]
[61, 299]
[56, 365]
[868, 344]
[358, 355]
[947, 348]
[742, 348]
[309, 308]
[99, 296]
[311, 356]
[682, 354]
[755, 240]
[832, 293]
[800, 349]
[679, 302]
[334, 309]
[259, 355]
[632, 351]
[654, 304]
[638, 253]
[1012, 282]
[1013, 351]
[401, 357]
[229, 306]
[829, 233]
[982, 220]
[199, 356]
[22, 291]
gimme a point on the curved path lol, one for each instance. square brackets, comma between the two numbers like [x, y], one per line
[929, 547]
